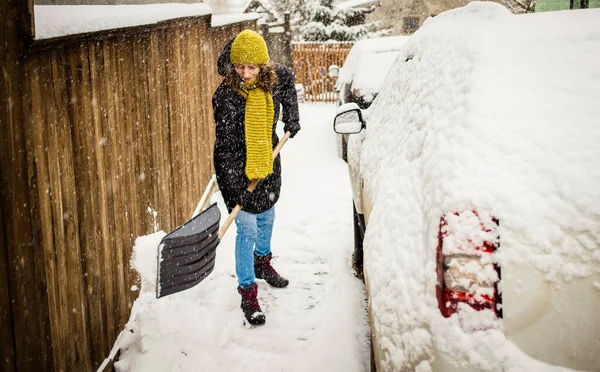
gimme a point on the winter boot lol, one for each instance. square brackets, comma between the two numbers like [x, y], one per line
[264, 270]
[250, 306]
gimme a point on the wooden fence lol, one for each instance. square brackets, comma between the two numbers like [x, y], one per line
[98, 131]
[311, 64]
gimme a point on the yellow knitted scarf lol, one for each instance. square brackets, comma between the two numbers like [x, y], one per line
[258, 124]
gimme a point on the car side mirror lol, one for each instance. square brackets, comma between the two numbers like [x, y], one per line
[334, 71]
[348, 119]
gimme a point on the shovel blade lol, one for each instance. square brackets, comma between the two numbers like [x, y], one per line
[187, 255]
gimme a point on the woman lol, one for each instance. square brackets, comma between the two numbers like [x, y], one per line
[246, 108]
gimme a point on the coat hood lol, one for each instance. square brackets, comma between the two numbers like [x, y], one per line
[224, 62]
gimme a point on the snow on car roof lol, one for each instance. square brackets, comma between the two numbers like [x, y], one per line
[503, 119]
[371, 72]
[61, 20]
[364, 47]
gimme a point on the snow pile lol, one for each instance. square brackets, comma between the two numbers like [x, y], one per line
[61, 20]
[318, 323]
[504, 119]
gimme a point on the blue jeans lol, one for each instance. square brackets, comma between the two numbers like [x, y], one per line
[253, 235]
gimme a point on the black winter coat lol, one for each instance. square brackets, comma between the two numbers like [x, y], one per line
[230, 145]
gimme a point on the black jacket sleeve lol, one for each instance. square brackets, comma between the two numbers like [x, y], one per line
[289, 101]
[229, 153]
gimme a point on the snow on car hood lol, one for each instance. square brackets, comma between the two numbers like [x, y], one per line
[504, 119]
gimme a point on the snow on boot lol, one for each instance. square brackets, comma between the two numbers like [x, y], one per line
[264, 270]
[250, 306]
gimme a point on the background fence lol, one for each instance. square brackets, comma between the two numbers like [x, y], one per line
[97, 132]
[311, 64]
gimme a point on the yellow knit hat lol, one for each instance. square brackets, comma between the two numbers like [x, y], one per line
[249, 48]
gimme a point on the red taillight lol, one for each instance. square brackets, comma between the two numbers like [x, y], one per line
[466, 269]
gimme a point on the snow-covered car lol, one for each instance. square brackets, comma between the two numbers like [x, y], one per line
[364, 71]
[475, 177]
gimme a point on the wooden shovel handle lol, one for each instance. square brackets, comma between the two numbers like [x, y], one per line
[251, 188]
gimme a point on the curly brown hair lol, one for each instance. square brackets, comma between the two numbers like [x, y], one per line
[267, 77]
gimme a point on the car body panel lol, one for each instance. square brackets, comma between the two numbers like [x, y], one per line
[543, 317]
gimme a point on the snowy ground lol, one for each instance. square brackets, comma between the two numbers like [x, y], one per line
[318, 323]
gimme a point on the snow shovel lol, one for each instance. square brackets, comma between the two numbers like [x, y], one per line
[186, 256]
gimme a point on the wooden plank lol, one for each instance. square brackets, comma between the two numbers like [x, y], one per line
[7, 351]
[35, 235]
[44, 112]
[204, 119]
[87, 196]
[175, 123]
[26, 24]
[130, 172]
[18, 220]
[188, 163]
[9, 91]
[141, 95]
[57, 115]
[104, 241]
[67, 207]
[130, 149]
[117, 138]
[123, 127]
[189, 168]
[317, 71]
[106, 80]
[209, 79]
[212, 53]
[194, 106]
[41, 325]
[142, 157]
[160, 131]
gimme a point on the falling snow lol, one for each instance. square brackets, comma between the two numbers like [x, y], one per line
[318, 322]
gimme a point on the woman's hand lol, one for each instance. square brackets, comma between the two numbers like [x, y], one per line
[293, 128]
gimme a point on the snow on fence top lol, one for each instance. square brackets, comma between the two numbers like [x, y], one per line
[53, 21]
[353, 3]
[225, 19]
